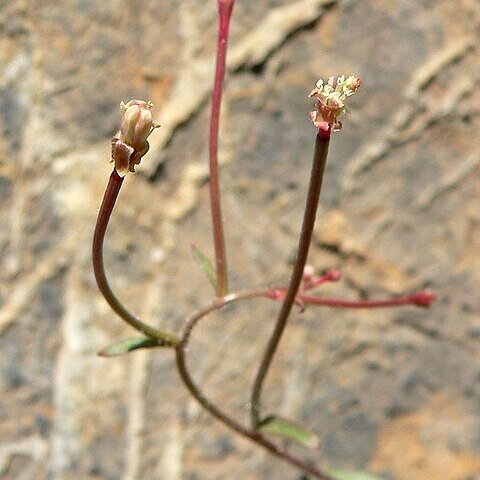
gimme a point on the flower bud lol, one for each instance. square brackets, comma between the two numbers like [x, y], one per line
[136, 123]
[130, 143]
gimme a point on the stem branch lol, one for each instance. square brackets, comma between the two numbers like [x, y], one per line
[252, 435]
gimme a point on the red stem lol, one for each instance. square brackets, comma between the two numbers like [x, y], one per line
[109, 198]
[225, 8]
[420, 299]
[314, 188]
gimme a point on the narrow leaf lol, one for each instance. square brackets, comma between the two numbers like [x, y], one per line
[279, 426]
[125, 346]
[205, 264]
[349, 475]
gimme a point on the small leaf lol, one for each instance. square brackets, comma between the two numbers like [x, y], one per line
[125, 346]
[205, 265]
[286, 428]
[349, 475]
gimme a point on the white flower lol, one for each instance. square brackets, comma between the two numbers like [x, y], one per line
[331, 100]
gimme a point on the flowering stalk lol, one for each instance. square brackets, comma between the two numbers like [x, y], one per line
[316, 176]
[128, 146]
[225, 8]
[330, 104]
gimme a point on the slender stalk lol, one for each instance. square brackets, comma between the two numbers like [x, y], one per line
[421, 299]
[225, 8]
[111, 194]
[252, 435]
[316, 176]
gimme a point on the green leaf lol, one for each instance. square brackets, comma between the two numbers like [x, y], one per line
[282, 427]
[125, 346]
[349, 475]
[206, 265]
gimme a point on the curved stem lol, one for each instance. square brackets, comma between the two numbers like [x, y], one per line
[225, 8]
[111, 194]
[252, 435]
[316, 176]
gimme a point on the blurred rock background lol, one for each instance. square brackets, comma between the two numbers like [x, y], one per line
[395, 392]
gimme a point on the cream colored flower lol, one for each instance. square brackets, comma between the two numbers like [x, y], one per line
[331, 100]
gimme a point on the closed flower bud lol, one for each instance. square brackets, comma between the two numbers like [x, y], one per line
[136, 123]
[130, 143]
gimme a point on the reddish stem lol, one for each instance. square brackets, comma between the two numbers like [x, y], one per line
[225, 8]
[109, 198]
[314, 188]
[420, 299]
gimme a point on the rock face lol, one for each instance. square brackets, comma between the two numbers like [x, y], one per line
[396, 392]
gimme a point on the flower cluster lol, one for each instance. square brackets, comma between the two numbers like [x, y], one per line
[331, 100]
[130, 144]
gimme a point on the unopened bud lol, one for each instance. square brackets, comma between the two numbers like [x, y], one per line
[130, 143]
[136, 123]
[424, 298]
